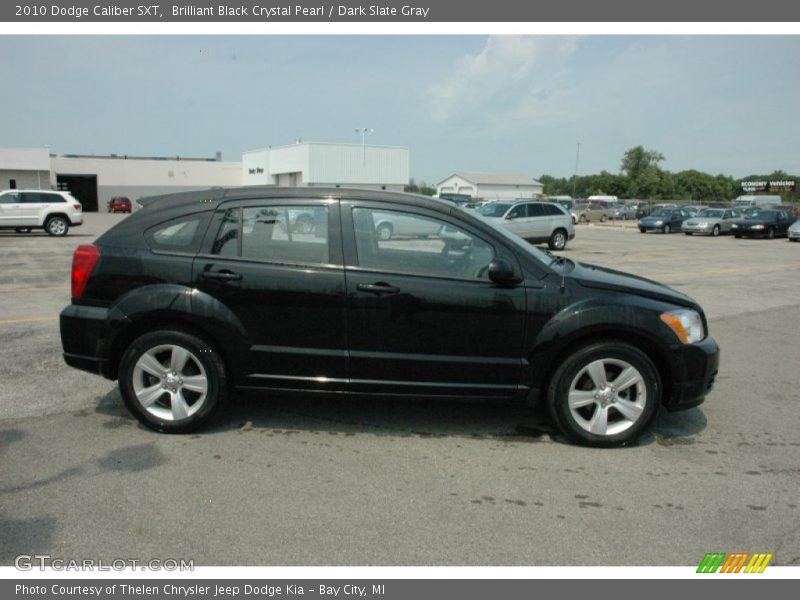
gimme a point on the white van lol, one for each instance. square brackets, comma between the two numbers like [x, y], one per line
[753, 201]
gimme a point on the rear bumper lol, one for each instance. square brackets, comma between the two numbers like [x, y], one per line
[84, 335]
[696, 367]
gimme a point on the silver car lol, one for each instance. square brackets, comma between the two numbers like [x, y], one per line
[711, 221]
[533, 221]
[794, 231]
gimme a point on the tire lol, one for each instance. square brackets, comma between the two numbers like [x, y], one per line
[586, 405]
[603, 218]
[558, 241]
[738, 237]
[641, 230]
[583, 219]
[715, 231]
[384, 232]
[687, 233]
[23, 229]
[160, 398]
[770, 233]
[56, 226]
[667, 229]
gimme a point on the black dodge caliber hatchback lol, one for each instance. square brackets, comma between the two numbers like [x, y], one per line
[199, 294]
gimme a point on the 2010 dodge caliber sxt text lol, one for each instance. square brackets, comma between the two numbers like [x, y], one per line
[201, 293]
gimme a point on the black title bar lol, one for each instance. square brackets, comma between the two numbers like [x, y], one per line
[433, 11]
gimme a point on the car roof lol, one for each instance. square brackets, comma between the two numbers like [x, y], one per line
[216, 196]
[38, 191]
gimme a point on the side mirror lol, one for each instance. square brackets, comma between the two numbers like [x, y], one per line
[502, 273]
[511, 215]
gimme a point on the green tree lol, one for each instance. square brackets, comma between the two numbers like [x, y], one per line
[636, 162]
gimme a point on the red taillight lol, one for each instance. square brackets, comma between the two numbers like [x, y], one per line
[77, 206]
[83, 261]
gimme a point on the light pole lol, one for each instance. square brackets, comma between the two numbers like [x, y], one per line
[364, 132]
[575, 178]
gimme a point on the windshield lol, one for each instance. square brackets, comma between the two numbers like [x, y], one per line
[494, 209]
[660, 213]
[711, 213]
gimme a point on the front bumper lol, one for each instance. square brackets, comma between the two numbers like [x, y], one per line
[695, 367]
[650, 227]
[697, 229]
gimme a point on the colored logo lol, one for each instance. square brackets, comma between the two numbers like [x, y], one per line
[736, 562]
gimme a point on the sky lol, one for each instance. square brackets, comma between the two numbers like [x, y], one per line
[511, 104]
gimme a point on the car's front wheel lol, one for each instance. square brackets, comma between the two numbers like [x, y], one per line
[56, 226]
[558, 241]
[667, 229]
[604, 394]
[715, 232]
[172, 381]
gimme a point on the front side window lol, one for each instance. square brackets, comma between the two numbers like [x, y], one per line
[277, 234]
[412, 248]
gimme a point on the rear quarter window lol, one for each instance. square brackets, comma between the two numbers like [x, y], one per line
[181, 234]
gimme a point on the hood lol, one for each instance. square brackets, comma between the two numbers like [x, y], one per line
[593, 276]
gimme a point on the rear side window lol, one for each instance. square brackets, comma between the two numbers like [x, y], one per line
[182, 234]
[535, 209]
[41, 197]
[275, 234]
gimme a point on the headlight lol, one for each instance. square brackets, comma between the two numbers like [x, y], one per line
[757, 227]
[686, 324]
[703, 225]
[734, 226]
[659, 222]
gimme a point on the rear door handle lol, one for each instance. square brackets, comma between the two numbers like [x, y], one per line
[221, 275]
[378, 288]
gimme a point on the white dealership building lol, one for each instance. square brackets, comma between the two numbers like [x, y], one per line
[96, 179]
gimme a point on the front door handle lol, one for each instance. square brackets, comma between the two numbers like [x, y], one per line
[378, 288]
[221, 275]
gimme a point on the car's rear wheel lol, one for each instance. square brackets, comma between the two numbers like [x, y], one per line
[602, 218]
[23, 229]
[384, 232]
[667, 229]
[604, 394]
[558, 241]
[57, 226]
[172, 381]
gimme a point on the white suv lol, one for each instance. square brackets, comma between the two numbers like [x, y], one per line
[534, 221]
[56, 212]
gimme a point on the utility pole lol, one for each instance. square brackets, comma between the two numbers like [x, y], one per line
[364, 132]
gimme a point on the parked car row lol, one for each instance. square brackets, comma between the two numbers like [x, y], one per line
[755, 222]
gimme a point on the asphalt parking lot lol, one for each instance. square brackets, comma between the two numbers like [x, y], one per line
[357, 482]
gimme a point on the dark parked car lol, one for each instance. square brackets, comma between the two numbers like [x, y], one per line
[200, 294]
[764, 223]
[119, 204]
[457, 199]
[665, 220]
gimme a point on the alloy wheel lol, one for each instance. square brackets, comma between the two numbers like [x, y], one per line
[169, 382]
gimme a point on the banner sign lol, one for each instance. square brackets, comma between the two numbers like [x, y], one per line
[749, 187]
